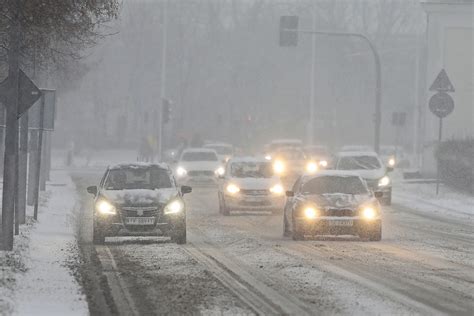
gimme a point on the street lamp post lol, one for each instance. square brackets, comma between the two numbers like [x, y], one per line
[378, 82]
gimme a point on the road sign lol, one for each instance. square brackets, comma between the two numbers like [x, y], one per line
[441, 104]
[28, 92]
[35, 112]
[442, 83]
[288, 30]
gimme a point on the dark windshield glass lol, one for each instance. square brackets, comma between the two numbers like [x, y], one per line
[199, 156]
[138, 178]
[221, 150]
[334, 184]
[251, 170]
[359, 163]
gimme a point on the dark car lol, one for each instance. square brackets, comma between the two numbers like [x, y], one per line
[332, 203]
[139, 199]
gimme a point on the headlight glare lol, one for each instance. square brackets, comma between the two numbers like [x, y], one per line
[181, 172]
[311, 167]
[323, 163]
[369, 213]
[384, 181]
[391, 162]
[220, 171]
[277, 189]
[268, 157]
[174, 207]
[310, 212]
[105, 208]
[233, 189]
[279, 167]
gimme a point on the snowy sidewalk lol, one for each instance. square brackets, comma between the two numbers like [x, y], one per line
[422, 196]
[38, 279]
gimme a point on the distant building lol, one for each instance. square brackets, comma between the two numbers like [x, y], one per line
[450, 46]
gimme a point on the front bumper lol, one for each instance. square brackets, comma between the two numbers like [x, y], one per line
[340, 225]
[254, 203]
[163, 225]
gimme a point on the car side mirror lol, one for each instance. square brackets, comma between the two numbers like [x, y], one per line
[378, 194]
[186, 189]
[389, 169]
[290, 193]
[92, 190]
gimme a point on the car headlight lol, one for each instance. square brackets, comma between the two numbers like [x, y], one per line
[369, 212]
[268, 157]
[233, 189]
[181, 172]
[311, 167]
[391, 162]
[220, 171]
[310, 212]
[174, 207]
[277, 189]
[279, 167]
[106, 208]
[323, 163]
[384, 181]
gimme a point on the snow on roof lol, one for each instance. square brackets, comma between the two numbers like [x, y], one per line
[199, 150]
[330, 173]
[217, 144]
[137, 165]
[248, 159]
[357, 153]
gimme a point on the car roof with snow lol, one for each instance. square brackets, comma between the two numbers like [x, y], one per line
[217, 144]
[357, 154]
[199, 150]
[249, 159]
[331, 173]
[138, 165]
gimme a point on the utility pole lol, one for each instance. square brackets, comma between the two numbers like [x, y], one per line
[312, 81]
[164, 37]
[11, 132]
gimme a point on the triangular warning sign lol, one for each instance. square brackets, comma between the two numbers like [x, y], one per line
[442, 83]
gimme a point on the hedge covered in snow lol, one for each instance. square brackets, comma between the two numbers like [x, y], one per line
[456, 163]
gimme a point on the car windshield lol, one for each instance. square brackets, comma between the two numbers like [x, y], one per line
[251, 170]
[138, 178]
[333, 185]
[359, 163]
[221, 150]
[291, 155]
[199, 156]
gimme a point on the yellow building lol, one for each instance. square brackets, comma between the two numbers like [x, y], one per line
[450, 46]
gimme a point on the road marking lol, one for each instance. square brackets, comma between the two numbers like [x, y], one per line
[256, 294]
[121, 296]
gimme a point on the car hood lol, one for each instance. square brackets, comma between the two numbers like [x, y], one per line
[337, 200]
[371, 174]
[200, 165]
[254, 183]
[139, 197]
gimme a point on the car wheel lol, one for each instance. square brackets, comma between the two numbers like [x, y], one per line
[179, 234]
[98, 235]
[286, 231]
[376, 235]
[224, 209]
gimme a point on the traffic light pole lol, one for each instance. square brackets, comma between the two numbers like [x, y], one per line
[378, 81]
[163, 80]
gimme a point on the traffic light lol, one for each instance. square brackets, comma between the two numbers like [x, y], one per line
[288, 30]
[166, 114]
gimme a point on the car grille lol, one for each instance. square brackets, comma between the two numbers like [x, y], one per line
[201, 173]
[254, 192]
[372, 184]
[140, 211]
[339, 212]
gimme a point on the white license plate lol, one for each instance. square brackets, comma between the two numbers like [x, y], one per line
[139, 220]
[341, 223]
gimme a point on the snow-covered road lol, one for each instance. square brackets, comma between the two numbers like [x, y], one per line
[242, 265]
